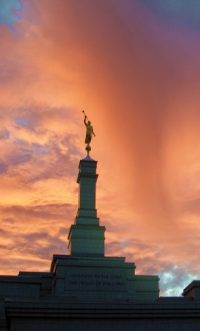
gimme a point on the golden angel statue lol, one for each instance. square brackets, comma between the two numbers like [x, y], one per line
[89, 133]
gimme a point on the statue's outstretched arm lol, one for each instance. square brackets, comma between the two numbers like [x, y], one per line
[83, 111]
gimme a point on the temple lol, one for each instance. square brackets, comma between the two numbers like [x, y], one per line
[87, 274]
[86, 290]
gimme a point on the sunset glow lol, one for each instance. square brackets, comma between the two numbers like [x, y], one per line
[134, 67]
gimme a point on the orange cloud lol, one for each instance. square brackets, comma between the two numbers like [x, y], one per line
[138, 82]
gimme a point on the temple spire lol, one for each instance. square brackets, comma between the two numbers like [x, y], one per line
[86, 236]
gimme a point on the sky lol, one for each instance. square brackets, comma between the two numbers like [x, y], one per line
[134, 66]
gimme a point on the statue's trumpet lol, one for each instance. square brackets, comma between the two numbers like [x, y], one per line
[83, 111]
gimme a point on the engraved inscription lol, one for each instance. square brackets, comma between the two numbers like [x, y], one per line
[98, 281]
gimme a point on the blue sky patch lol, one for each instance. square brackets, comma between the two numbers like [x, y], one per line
[10, 11]
[184, 12]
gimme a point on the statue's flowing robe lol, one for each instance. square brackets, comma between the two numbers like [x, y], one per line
[89, 132]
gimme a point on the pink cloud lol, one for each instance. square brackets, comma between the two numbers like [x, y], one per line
[139, 84]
